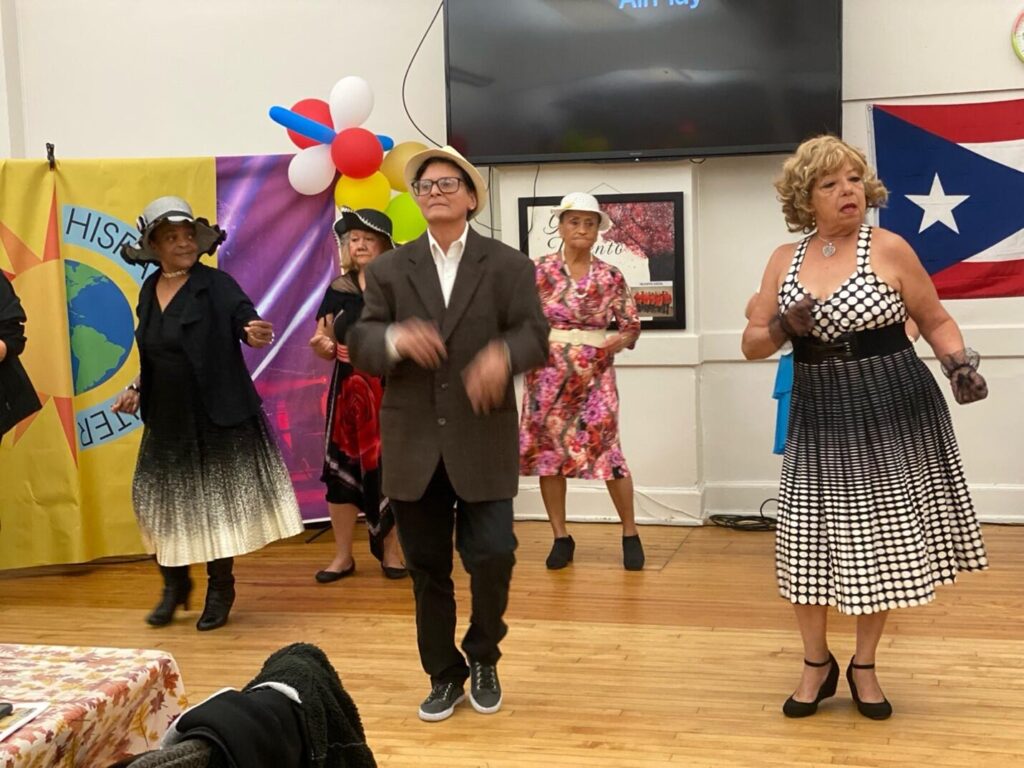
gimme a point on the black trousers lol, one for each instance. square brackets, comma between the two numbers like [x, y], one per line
[486, 544]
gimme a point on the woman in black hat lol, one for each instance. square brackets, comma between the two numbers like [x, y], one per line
[352, 453]
[209, 481]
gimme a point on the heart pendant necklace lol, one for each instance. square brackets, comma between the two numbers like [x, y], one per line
[828, 250]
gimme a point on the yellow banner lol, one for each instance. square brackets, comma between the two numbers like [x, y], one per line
[65, 474]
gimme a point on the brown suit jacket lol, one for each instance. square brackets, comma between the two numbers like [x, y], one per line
[426, 415]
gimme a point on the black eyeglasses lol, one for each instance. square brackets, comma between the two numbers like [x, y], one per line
[447, 185]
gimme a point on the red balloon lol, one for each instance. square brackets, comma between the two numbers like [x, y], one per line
[357, 153]
[314, 109]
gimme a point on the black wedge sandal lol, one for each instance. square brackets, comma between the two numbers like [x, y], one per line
[877, 710]
[795, 708]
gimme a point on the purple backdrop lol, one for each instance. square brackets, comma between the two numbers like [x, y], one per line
[281, 250]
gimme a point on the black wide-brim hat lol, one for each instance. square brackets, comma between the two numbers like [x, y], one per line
[365, 219]
[173, 210]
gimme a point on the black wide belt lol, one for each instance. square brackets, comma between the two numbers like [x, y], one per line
[852, 346]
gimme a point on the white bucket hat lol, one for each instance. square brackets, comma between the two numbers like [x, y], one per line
[581, 201]
[452, 155]
[177, 211]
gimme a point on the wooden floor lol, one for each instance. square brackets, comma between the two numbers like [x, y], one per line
[686, 663]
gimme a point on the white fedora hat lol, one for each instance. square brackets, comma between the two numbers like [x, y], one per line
[581, 201]
[451, 155]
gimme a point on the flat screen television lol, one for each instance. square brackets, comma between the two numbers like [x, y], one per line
[553, 80]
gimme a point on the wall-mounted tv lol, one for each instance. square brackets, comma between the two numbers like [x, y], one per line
[554, 80]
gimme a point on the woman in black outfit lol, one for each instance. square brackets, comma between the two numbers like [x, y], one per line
[352, 440]
[210, 482]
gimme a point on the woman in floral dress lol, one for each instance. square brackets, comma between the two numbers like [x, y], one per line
[570, 418]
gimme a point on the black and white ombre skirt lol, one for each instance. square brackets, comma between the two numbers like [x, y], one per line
[874, 510]
[203, 492]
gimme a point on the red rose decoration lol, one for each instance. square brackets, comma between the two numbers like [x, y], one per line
[357, 432]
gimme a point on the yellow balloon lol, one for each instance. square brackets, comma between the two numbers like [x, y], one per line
[371, 192]
[394, 163]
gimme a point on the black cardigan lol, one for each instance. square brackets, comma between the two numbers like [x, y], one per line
[213, 322]
[17, 395]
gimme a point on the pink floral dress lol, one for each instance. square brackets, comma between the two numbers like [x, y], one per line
[570, 416]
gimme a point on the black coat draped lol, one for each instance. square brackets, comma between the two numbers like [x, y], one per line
[17, 395]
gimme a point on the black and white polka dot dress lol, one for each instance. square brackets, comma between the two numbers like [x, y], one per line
[874, 510]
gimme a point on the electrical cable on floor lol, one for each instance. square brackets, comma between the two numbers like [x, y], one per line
[746, 523]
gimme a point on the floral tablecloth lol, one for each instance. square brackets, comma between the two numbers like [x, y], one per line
[104, 703]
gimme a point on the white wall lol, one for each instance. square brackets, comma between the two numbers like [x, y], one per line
[10, 83]
[195, 77]
[140, 78]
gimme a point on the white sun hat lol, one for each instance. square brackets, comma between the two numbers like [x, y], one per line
[176, 211]
[581, 201]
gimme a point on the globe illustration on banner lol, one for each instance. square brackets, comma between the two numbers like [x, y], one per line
[101, 325]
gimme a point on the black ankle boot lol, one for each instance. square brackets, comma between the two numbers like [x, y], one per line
[561, 553]
[177, 588]
[795, 708]
[220, 595]
[878, 710]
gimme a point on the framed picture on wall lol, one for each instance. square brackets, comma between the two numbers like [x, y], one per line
[645, 243]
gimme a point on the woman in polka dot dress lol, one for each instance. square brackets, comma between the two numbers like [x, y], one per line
[874, 510]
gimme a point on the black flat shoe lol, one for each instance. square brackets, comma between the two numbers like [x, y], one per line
[326, 577]
[561, 553]
[878, 710]
[795, 708]
[394, 572]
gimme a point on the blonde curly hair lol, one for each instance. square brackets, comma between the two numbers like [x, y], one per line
[803, 169]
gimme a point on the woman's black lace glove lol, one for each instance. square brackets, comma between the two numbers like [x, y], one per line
[796, 321]
[961, 368]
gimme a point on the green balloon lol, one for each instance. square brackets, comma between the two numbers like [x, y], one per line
[406, 218]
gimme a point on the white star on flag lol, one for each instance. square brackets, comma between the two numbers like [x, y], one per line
[937, 206]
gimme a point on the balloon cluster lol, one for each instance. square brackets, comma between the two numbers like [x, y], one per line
[331, 141]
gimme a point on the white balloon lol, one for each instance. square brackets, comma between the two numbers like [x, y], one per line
[351, 102]
[312, 171]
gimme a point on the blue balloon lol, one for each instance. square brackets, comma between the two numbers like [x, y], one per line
[293, 121]
[386, 141]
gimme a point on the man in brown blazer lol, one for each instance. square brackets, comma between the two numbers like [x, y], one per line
[449, 319]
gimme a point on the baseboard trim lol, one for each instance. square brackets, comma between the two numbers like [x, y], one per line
[589, 502]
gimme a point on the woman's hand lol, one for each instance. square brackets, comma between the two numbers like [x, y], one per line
[969, 386]
[961, 368]
[322, 342]
[127, 402]
[259, 334]
[3, 351]
[615, 344]
[798, 319]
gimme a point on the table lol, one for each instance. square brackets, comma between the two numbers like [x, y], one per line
[105, 703]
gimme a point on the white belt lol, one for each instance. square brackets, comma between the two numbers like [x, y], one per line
[578, 336]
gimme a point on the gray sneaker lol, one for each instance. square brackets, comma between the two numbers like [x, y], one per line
[485, 690]
[441, 702]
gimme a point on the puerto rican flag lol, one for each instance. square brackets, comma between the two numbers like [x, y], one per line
[955, 175]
